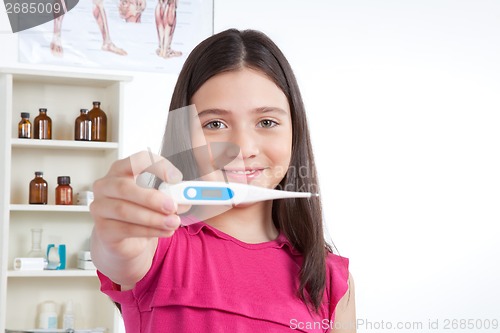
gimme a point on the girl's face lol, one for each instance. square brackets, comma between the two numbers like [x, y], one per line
[247, 109]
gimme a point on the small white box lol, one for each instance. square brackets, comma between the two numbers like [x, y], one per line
[84, 198]
[86, 264]
[84, 255]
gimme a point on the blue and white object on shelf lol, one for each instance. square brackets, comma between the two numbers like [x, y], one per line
[56, 257]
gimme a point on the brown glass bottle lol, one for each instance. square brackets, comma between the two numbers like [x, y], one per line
[24, 127]
[83, 126]
[38, 190]
[98, 120]
[64, 192]
[43, 125]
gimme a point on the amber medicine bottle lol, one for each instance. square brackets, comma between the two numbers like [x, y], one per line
[83, 126]
[38, 190]
[98, 120]
[64, 192]
[24, 127]
[43, 125]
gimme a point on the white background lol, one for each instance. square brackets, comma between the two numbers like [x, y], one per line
[404, 108]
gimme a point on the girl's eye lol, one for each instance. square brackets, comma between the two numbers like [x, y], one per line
[215, 124]
[267, 123]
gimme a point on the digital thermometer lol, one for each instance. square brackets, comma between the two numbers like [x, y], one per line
[221, 193]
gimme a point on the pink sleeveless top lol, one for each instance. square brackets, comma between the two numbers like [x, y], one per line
[203, 280]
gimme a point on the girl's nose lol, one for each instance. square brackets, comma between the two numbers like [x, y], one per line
[248, 145]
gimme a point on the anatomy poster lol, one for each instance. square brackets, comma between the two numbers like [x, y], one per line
[130, 35]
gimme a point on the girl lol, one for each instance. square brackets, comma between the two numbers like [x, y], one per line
[256, 267]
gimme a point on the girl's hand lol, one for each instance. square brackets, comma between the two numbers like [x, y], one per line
[128, 218]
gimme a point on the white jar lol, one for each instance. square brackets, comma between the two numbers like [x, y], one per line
[47, 318]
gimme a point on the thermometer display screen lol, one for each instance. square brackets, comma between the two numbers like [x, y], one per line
[211, 193]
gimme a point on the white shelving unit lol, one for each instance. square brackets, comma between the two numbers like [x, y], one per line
[63, 94]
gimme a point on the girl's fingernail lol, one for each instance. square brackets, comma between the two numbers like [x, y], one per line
[169, 205]
[172, 221]
[174, 176]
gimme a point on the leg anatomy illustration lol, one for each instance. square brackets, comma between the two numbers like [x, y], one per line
[166, 19]
[127, 11]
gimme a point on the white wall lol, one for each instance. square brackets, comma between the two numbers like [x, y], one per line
[405, 114]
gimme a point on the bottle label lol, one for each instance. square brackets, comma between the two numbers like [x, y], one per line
[52, 322]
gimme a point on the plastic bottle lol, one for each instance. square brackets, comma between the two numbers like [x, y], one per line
[24, 127]
[83, 126]
[43, 125]
[47, 318]
[64, 192]
[98, 120]
[68, 316]
[38, 190]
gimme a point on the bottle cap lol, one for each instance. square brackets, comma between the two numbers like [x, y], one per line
[49, 306]
[42, 110]
[63, 180]
[84, 110]
[38, 173]
[25, 114]
[96, 102]
[68, 306]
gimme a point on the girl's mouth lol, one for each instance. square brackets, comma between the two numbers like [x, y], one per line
[242, 175]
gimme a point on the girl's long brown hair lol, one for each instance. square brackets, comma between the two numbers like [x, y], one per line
[299, 219]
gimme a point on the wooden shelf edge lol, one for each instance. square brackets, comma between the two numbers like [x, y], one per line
[48, 208]
[63, 144]
[55, 273]
[53, 73]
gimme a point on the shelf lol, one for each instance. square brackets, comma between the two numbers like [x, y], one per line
[48, 208]
[101, 80]
[63, 93]
[54, 273]
[63, 144]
